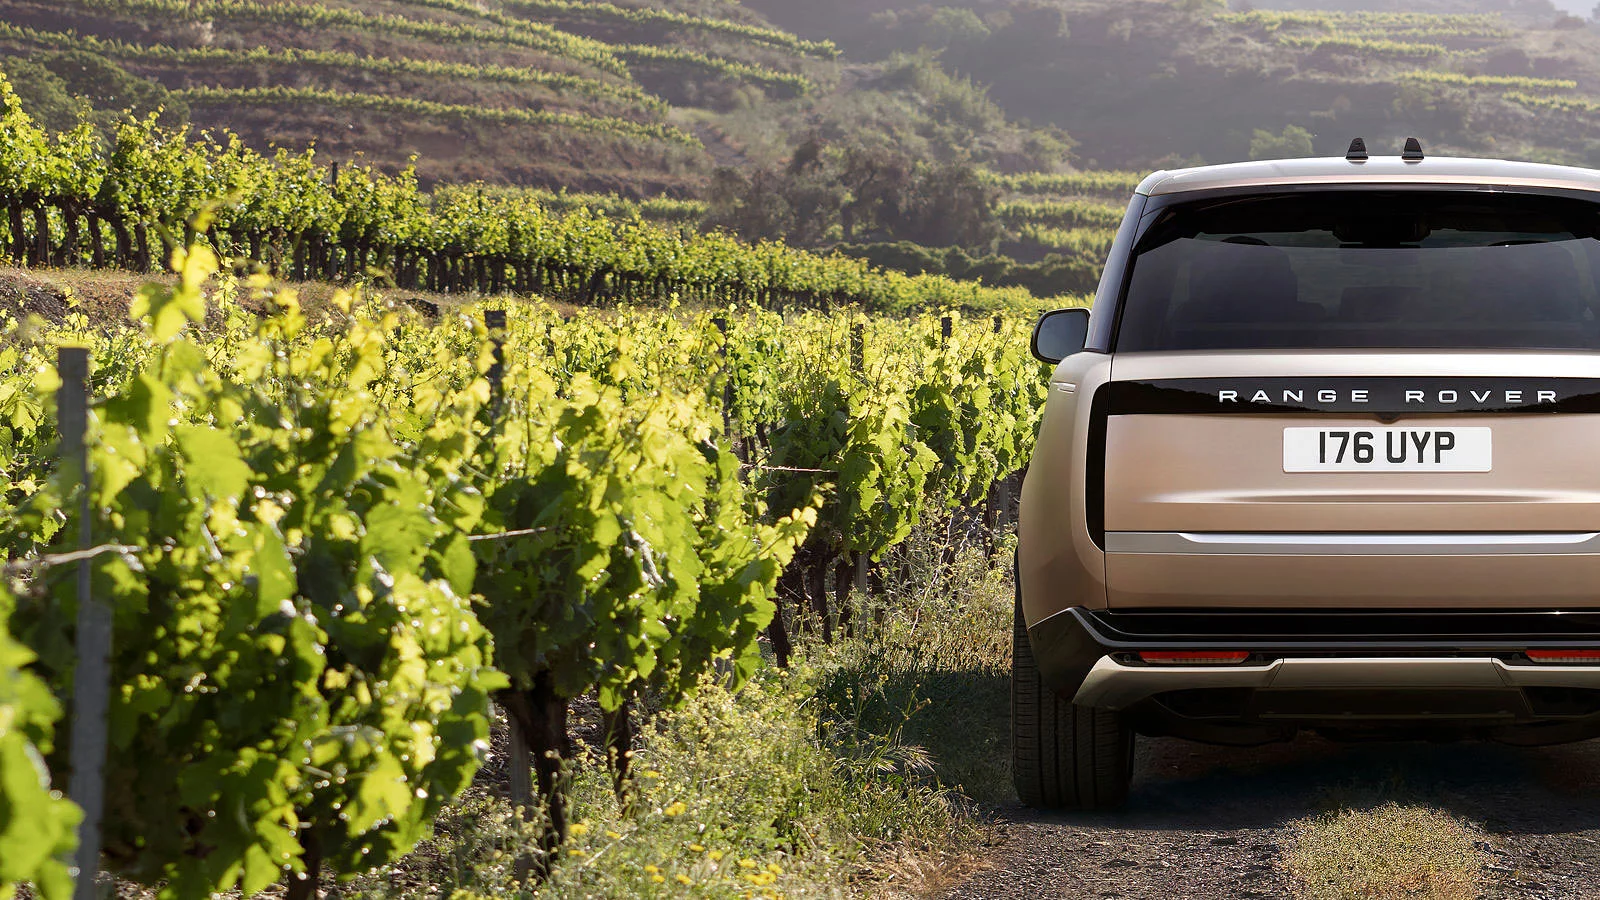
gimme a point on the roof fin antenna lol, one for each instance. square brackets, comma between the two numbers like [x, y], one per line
[1413, 151]
[1357, 151]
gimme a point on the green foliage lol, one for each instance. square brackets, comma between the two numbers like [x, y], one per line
[1558, 104]
[639, 558]
[926, 28]
[44, 93]
[1104, 183]
[914, 431]
[1063, 214]
[162, 176]
[607, 13]
[281, 96]
[332, 59]
[784, 83]
[506, 30]
[303, 511]
[826, 193]
[1369, 24]
[769, 789]
[1294, 142]
[106, 86]
[1058, 274]
[37, 825]
[1459, 79]
[298, 673]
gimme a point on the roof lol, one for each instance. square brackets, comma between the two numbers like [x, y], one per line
[1386, 170]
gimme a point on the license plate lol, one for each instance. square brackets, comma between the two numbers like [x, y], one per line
[1387, 450]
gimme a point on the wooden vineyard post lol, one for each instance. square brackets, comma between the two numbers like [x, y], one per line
[520, 777]
[92, 675]
[853, 579]
[999, 503]
[1004, 500]
[721, 324]
[724, 667]
[495, 321]
[946, 327]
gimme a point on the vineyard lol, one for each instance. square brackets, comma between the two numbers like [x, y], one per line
[628, 95]
[588, 90]
[607, 13]
[1373, 25]
[73, 202]
[334, 544]
[282, 96]
[314, 506]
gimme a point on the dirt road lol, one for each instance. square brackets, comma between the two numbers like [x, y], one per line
[1208, 822]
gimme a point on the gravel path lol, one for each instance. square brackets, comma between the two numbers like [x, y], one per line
[1212, 822]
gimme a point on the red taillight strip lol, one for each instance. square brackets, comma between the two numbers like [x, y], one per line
[1564, 656]
[1201, 657]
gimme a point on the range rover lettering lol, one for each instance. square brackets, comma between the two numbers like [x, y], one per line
[1323, 457]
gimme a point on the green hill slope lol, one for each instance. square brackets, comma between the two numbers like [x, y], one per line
[1141, 83]
[528, 91]
[815, 121]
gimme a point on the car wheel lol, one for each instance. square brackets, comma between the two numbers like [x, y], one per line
[1063, 756]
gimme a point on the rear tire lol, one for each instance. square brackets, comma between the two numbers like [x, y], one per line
[1063, 756]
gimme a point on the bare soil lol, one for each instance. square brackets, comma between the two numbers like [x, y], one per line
[1214, 822]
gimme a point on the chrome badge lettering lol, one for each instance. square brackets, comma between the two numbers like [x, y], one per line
[1437, 397]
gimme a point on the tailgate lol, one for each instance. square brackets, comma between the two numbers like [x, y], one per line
[1383, 480]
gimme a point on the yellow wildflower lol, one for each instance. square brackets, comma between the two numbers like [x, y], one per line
[657, 879]
[684, 879]
[577, 830]
[747, 864]
[697, 848]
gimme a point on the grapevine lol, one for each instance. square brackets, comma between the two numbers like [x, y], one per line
[72, 201]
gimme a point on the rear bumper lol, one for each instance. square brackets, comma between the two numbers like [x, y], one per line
[1316, 668]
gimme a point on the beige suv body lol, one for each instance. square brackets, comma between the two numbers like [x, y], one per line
[1323, 457]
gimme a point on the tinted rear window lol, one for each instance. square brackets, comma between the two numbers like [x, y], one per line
[1367, 270]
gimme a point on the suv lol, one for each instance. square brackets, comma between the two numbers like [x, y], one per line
[1326, 456]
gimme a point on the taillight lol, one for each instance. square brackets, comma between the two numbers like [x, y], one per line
[1193, 657]
[1564, 656]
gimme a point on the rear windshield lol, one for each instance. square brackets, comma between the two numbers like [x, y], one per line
[1367, 270]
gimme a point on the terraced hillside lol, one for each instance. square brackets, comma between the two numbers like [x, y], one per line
[1140, 83]
[649, 98]
[530, 91]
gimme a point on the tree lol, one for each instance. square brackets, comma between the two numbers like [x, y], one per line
[877, 181]
[1292, 143]
[751, 206]
[952, 206]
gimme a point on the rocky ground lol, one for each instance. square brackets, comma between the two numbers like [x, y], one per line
[1212, 822]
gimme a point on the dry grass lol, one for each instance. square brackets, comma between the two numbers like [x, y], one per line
[1384, 852]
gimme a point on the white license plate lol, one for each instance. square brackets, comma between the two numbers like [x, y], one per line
[1359, 449]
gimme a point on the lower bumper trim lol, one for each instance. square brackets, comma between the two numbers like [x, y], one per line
[1111, 684]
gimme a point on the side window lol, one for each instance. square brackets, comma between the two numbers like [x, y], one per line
[1109, 293]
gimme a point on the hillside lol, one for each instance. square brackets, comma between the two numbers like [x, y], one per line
[1010, 129]
[1141, 83]
[640, 101]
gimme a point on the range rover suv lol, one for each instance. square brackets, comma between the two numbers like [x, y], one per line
[1325, 456]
